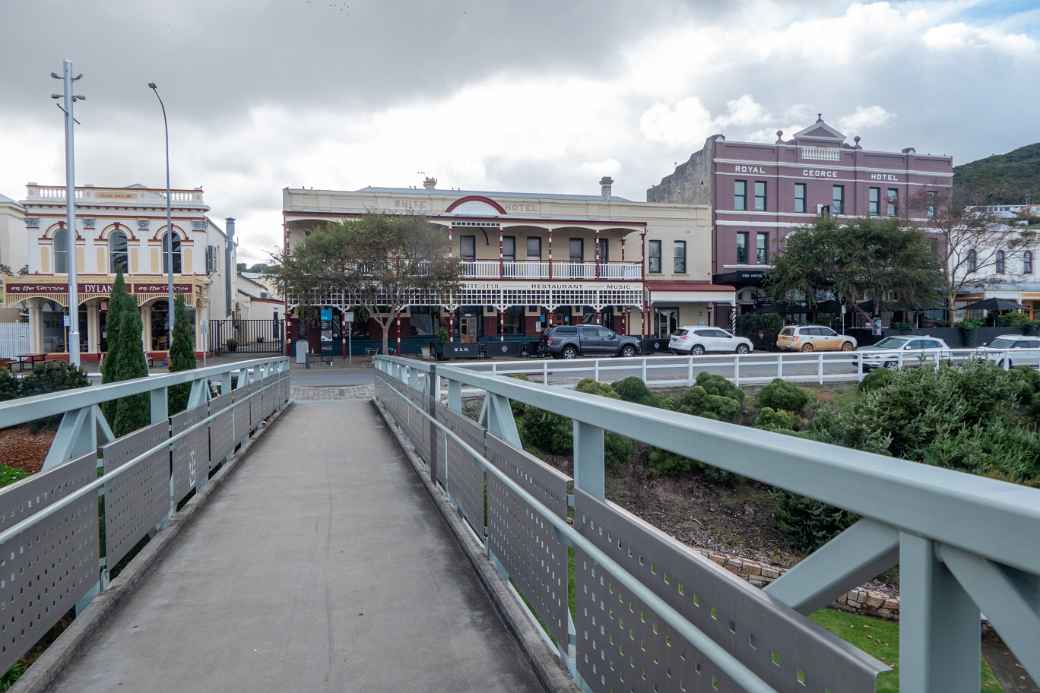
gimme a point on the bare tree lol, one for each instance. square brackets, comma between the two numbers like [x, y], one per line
[974, 247]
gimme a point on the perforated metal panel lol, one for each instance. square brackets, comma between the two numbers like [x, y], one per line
[522, 541]
[191, 453]
[222, 428]
[241, 409]
[47, 568]
[419, 425]
[464, 476]
[623, 646]
[137, 500]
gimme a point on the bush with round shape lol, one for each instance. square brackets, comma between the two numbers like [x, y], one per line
[781, 394]
[698, 402]
[775, 420]
[715, 384]
[633, 389]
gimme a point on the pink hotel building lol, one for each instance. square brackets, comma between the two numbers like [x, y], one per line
[761, 192]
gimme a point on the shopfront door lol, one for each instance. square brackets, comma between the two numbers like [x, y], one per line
[468, 328]
[666, 321]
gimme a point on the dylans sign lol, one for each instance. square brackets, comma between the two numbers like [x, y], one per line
[20, 288]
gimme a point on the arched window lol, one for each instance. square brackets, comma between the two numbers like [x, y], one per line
[118, 261]
[973, 261]
[1027, 262]
[176, 255]
[1000, 262]
[61, 251]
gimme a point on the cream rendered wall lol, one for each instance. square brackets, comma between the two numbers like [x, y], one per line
[13, 237]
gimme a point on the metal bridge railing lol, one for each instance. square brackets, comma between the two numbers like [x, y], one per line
[651, 615]
[744, 369]
[63, 530]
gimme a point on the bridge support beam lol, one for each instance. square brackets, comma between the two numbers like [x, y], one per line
[500, 421]
[857, 555]
[939, 624]
[589, 472]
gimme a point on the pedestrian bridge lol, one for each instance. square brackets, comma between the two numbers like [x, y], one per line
[400, 545]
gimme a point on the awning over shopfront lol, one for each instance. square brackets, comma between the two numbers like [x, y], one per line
[740, 278]
[680, 291]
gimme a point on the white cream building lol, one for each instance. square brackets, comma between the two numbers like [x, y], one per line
[117, 228]
[531, 260]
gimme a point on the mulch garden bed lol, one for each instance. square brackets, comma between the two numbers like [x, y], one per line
[24, 448]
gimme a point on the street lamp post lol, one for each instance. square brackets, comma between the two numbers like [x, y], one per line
[69, 99]
[169, 222]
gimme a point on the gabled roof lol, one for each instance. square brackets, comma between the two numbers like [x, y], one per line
[4, 199]
[820, 131]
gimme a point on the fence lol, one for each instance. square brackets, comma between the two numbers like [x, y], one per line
[14, 339]
[250, 336]
[745, 369]
[64, 529]
[651, 615]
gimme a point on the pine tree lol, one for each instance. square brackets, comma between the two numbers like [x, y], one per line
[182, 355]
[117, 305]
[133, 412]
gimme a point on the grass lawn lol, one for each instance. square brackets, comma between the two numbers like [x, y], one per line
[881, 639]
[9, 475]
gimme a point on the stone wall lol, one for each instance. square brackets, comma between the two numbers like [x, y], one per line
[691, 182]
[857, 601]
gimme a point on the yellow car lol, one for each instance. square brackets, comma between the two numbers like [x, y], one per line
[813, 338]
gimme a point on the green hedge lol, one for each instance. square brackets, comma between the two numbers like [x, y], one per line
[761, 328]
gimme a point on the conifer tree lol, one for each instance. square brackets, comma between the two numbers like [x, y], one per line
[117, 305]
[182, 356]
[133, 412]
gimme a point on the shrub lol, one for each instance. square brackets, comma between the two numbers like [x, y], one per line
[969, 324]
[1001, 449]
[633, 389]
[781, 394]
[665, 463]
[698, 402]
[776, 420]
[546, 431]
[617, 449]
[10, 386]
[717, 385]
[807, 523]
[876, 379]
[1017, 320]
[52, 376]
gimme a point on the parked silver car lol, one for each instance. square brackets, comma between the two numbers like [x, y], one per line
[1009, 350]
[903, 351]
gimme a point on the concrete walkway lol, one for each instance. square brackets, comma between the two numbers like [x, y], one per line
[321, 565]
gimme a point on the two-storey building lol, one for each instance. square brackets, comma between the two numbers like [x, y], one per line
[530, 261]
[760, 192]
[118, 229]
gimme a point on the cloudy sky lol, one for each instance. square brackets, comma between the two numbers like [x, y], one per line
[532, 95]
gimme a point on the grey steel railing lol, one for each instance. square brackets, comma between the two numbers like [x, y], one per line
[64, 530]
[651, 615]
[664, 370]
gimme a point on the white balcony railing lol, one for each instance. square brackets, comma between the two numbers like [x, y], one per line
[540, 269]
[525, 269]
[480, 269]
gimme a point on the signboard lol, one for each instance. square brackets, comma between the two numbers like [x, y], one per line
[105, 288]
[326, 313]
[161, 288]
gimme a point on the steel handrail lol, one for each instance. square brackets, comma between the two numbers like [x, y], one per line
[729, 664]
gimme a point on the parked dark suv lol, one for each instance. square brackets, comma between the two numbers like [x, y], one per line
[571, 341]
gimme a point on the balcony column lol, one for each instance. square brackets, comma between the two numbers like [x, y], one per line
[622, 250]
[501, 325]
[642, 238]
[501, 257]
[550, 264]
[398, 321]
[596, 258]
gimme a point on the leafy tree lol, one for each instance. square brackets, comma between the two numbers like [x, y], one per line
[873, 259]
[381, 263]
[182, 355]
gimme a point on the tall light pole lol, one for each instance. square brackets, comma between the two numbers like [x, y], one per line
[69, 99]
[169, 222]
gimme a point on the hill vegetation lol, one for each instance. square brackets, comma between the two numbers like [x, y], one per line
[1000, 179]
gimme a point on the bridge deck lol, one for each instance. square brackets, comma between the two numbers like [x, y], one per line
[322, 565]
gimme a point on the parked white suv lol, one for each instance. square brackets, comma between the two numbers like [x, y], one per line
[1012, 350]
[699, 339]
